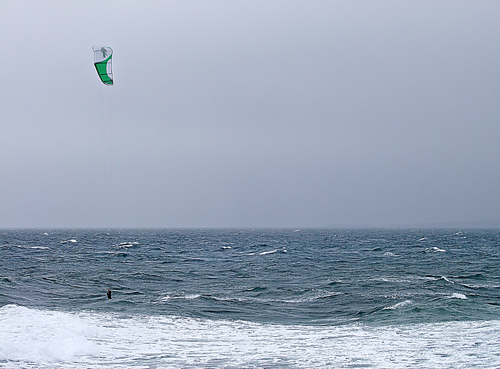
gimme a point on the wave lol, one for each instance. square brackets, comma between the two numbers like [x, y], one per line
[268, 300]
[310, 298]
[470, 276]
[7, 246]
[434, 249]
[446, 279]
[125, 245]
[399, 305]
[459, 296]
[43, 337]
[403, 279]
[477, 286]
[49, 339]
[182, 297]
[145, 276]
[268, 252]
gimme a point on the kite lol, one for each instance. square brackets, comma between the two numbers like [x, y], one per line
[102, 63]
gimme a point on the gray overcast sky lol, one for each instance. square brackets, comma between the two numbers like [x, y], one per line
[249, 113]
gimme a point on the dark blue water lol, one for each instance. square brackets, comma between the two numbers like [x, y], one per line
[293, 279]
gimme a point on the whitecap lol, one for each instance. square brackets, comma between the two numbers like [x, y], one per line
[268, 252]
[434, 249]
[459, 296]
[125, 245]
[399, 305]
[392, 279]
[446, 279]
[184, 297]
[191, 297]
[9, 246]
[310, 298]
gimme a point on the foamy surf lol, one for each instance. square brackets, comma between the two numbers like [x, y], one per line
[49, 339]
[37, 336]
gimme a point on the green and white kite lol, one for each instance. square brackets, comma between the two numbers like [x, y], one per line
[102, 62]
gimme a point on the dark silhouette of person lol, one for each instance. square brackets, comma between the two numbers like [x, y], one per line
[109, 294]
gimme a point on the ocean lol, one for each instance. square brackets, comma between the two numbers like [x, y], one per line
[250, 298]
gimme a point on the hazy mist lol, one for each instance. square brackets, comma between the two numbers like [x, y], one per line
[250, 113]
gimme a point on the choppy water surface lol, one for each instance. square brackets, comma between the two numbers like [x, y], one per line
[250, 298]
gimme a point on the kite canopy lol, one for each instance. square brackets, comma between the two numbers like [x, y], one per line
[102, 62]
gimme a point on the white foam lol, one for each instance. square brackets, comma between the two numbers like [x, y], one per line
[26, 247]
[184, 297]
[125, 245]
[434, 249]
[43, 336]
[399, 305]
[9, 246]
[408, 279]
[43, 339]
[460, 296]
[268, 252]
[315, 297]
[446, 279]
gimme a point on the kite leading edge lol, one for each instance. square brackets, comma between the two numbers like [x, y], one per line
[102, 63]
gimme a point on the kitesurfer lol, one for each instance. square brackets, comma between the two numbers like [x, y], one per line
[109, 294]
